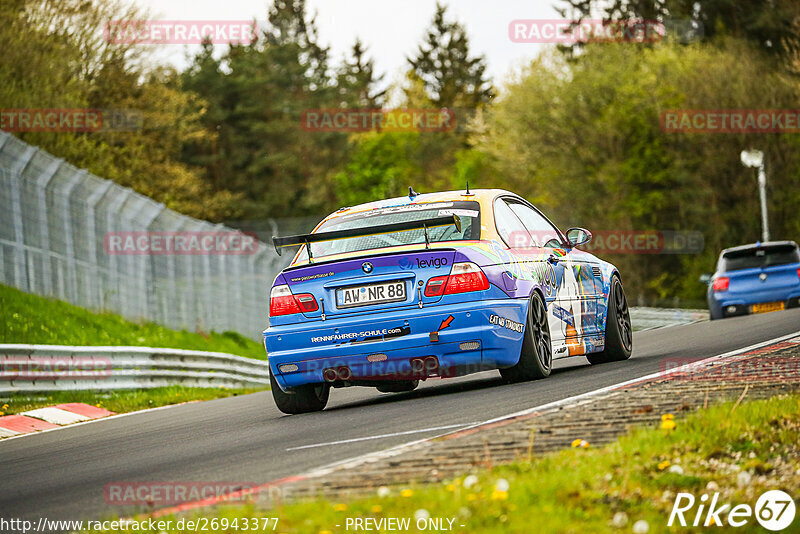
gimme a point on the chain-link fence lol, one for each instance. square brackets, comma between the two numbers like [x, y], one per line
[55, 222]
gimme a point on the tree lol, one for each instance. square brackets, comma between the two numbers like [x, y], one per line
[443, 64]
[55, 56]
[259, 91]
[767, 23]
[356, 80]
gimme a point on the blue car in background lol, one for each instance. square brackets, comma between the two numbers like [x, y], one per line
[435, 286]
[756, 278]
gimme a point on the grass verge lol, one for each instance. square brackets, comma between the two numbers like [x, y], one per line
[739, 452]
[26, 318]
[117, 401]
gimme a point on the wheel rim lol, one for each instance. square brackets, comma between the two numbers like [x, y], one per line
[623, 317]
[541, 333]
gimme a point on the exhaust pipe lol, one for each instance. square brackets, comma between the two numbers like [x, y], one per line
[329, 375]
[431, 365]
[344, 373]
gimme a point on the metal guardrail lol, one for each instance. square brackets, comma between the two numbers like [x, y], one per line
[648, 318]
[31, 368]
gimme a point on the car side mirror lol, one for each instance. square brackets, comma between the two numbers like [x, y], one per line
[705, 278]
[578, 236]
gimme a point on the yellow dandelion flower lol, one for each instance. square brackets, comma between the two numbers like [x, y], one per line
[471, 496]
[498, 495]
[663, 465]
[667, 416]
[325, 532]
[576, 442]
[5, 407]
[341, 507]
[407, 493]
[450, 487]
[667, 424]
[377, 509]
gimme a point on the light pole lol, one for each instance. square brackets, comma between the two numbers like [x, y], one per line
[755, 158]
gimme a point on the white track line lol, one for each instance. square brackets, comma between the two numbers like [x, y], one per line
[381, 436]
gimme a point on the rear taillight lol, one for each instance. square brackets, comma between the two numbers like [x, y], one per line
[282, 302]
[435, 287]
[307, 302]
[798, 273]
[721, 283]
[464, 277]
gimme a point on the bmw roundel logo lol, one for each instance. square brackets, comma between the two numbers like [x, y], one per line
[366, 267]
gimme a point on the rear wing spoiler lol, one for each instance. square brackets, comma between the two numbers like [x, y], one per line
[307, 239]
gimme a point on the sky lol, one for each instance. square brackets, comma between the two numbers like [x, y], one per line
[391, 29]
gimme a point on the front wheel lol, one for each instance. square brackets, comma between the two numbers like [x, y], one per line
[619, 334]
[536, 357]
[303, 399]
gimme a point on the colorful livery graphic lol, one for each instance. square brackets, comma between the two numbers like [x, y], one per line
[437, 285]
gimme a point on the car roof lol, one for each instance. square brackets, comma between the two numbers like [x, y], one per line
[479, 195]
[758, 244]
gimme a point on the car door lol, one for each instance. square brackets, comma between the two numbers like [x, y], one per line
[576, 301]
[533, 259]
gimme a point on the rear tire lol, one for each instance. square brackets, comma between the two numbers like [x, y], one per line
[398, 387]
[536, 356]
[303, 399]
[619, 334]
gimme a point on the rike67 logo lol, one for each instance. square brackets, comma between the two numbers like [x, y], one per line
[774, 510]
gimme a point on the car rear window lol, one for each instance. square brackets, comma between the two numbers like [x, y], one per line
[469, 211]
[759, 257]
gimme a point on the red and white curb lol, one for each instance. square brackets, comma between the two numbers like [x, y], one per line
[49, 418]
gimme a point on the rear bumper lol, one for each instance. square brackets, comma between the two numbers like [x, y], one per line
[400, 336]
[734, 304]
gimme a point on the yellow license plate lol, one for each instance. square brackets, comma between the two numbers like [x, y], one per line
[766, 307]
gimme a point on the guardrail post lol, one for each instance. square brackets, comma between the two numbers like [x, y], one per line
[42, 181]
[95, 289]
[72, 275]
[20, 263]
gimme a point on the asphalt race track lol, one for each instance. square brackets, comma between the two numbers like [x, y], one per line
[61, 474]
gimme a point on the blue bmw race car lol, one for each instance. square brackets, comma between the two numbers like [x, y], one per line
[437, 285]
